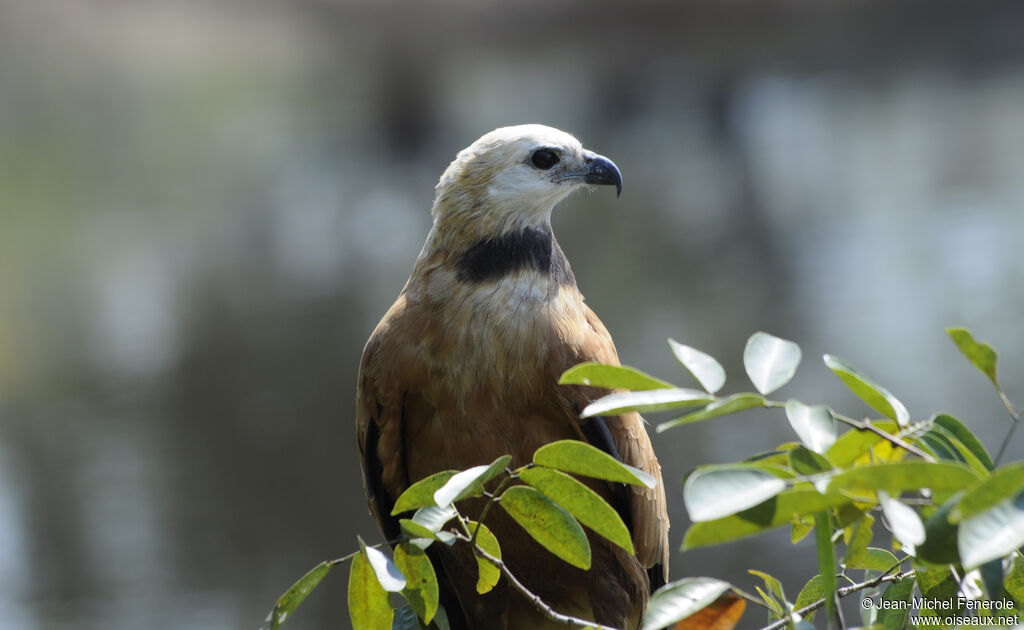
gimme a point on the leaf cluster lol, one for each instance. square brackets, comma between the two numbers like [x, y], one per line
[947, 519]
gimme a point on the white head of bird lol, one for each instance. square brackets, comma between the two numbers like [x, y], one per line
[512, 178]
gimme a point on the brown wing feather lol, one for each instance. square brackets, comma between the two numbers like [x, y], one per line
[649, 512]
[379, 422]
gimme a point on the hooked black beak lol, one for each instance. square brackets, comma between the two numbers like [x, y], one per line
[602, 171]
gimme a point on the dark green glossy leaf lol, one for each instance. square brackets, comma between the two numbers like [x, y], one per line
[895, 610]
[962, 433]
[287, 603]
[939, 546]
[580, 458]
[421, 493]
[804, 461]
[981, 355]
[775, 512]
[708, 372]
[548, 523]
[580, 501]
[876, 396]
[421, 590]
[368, 605]
[611, 377]
[770, 361]
[653, 400]
[721, 407]
[678, 600]
[712, 492]
[406, 619]
[488, 573]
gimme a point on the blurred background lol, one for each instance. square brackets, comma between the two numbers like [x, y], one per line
[205, 207]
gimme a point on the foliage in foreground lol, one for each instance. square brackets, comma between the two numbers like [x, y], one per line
[954, 518]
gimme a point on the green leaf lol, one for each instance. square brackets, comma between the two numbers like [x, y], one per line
[876, 396]
[816, 468]
[721, 407]
[981, 355]
[586, 505]
[548, 523]
[773, 585]
[909, 475]
[814, 425]
[775, 512]
[421, 493]
[938, 586]
[992, 534]
[810, 593]
[470, 482]
[712, 492]
[770, 361]
[416, 530]
[390, 578]
[406, 619]
[876, 559]
[287, 603]
[1004, 483]
[421, 590]
[939, 546]
[894, 611]
[654, 400]
[611, 377]
[962, 433]
[708, 372]
[852, 445]
[368, 605]
[580, 458]
[904, 522]
[858, 538]
[946, 446]
[678, 600]
[488, 573]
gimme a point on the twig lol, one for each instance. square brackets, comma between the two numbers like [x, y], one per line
[842, 592]
[1009, 434]
[864, 425]
[538, 603]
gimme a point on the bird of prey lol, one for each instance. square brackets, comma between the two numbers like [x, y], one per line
[464, 368]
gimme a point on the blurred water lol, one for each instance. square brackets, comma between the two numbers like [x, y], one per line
[205, 208]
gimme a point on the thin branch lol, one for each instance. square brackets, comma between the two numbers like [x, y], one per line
[842, 592]
[864, 425]
[1013, 427]
[538, 603]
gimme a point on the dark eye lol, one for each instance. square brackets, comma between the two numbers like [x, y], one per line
[544, 159]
